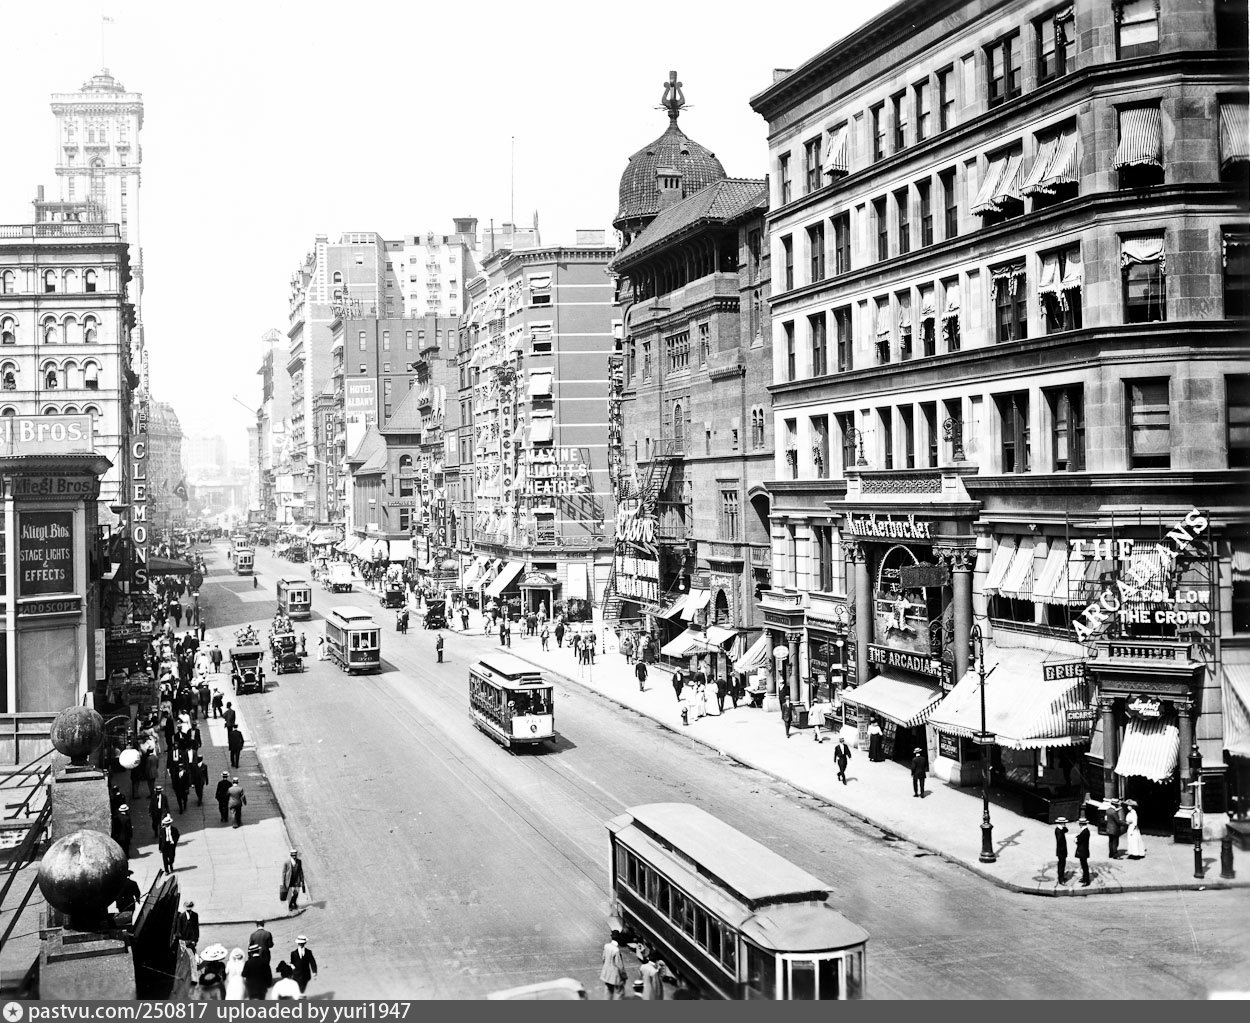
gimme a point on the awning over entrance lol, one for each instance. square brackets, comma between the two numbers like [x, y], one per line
[899, 700]
[474, 572]
[674, 609]
[718, 636]
[509, 572]
[755, 657]
[696, 601]
[1237, 709]
[351, 544]
[538, 581]
[1150, 749]
[167, 566]
[688, 643]
[1023, 710]
[401, 550]
[575, 588]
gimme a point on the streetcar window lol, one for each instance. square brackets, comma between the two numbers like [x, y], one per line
[700, 927]
[663, 891]
[854, 974]
[802, 980]
[728, 953]
[622, 857]
[761, 971]
[653, 891]
[827, 973]
[631, 875]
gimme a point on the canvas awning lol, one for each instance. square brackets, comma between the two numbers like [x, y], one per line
[575, 584]
[1236, 707]
[167, 566]
[696, 601]
[1150, 749]
[718, 635]
[755, 657]
[1234, 128]
[1051, 584]
[541, 429]
[1018, 582]
[899, 700]
[675, 608]
[540, 385]
[836, 161]
[689, 642]
[401, 550]
[1141, 141]
[1023, 710]
[352, 544]
[502, 581]
[474, 572]
[999, 565]
[1001, 184]
[1056, 164]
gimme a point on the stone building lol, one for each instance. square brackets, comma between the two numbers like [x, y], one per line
[167, 478]
[1008, 304]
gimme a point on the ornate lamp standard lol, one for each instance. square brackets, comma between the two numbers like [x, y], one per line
[984, 739]
[856, 437]
[1195, 821]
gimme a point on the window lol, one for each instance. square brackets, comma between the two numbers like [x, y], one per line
[899, 103]
[883, 228]
[49, 282]
[946, 98]
[1143, 267]
[1053, 33]
[386, 399]
[89, 281]
[705, 343]
[646, 360]
[1136, 28]
[1237, 407]
[816, 248]
[364, 368]
[902, 302]
[337, 278]
[1060, 289]
[10, 380]
[386, 367]
[823, 536]
[877, 114]
[1139, 155]
[811, 163]
[788, 330]
[707, 442]
[1067, 431]
[841, 243]
[1053, 176]
[1234, 145]
[8, 283]
[362, 342]
[845, 353]
[920, 94]
[757, 428]
[539, 289]
[405, 519]
[783, 176]
[1149, 424]
[787, 262]
[924, 199]
[881, 326]
[406, 486]
[1003, 60]
[885, 417]
[677, 351]
[51, 379]
[386, 340]
[1010, 305]
[755, 248]
[820, 345]
[792, 554]
[792, 447]
[729, 515]
[907, 428]
[950, 204]
[1231, 25]
[846, 432]
[91, 376]
[1013, 419]
[1236, 261]
[928, 321]
[999, 196]
[928, 412]
[1241, 585]
[902, 208]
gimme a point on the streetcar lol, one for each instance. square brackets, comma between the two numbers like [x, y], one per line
[353, 639]
[511, 702]
[295, 598]
[730, 917]
[244, 558]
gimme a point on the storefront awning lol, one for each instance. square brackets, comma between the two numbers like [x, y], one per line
[1051, 584]
[1150, 749]
[401, 550]
[899, 700]
[576, 587]
[1018, 582]
[999, 565]
[755, 657]
[696, 601]
[674, 609]
[349, 545]
[502, 581]
[719, 636]
[688, 643]
[1236, 692]
[473, 573]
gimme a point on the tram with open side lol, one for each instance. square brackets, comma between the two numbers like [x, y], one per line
[295, 598]
[511, 702]
[353, 639]
[730, 917]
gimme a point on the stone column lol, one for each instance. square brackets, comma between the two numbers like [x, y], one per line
[1110, 747]
[856, 554]
[1186, 722]
[792, 638]
[960, 561]
[770, 698]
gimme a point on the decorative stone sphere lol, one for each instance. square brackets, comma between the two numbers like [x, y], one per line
[82, 873]
[77, 732]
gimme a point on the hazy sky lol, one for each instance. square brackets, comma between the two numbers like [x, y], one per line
[268, 122]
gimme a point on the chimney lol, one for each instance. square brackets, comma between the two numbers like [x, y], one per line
[591, 237]
[668, 184]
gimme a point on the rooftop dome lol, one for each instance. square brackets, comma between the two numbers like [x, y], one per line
[698, 167]
[102, 82]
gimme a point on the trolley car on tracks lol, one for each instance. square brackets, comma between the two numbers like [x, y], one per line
[353, 639]
[511, 702]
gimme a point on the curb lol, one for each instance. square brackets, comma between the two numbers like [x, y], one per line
[1011, 886]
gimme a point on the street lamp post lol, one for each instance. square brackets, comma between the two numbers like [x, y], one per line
[1195, 821]
[983, 739]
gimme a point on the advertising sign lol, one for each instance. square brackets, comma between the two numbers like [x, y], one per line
[45, 558]
[1063, 669]
[361, 398]
[45, 435]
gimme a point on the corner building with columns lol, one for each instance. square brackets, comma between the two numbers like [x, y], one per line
[1011, 395]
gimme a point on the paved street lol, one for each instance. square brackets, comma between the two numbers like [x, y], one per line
[442, 866]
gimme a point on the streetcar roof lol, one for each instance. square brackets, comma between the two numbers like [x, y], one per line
[293, 581]
[752, 871]
[509, 671]
[354, 616]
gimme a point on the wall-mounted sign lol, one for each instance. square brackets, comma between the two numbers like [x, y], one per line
[1081, 715]
[633, 526]
[907, 660]
[87, 487]
[923, 576]
[45, 558]
[638, 578]
[948, 746]
[50, 606]
[1144, 707]
[1063, 669]
[890, 528]
[101, 665]
[45, 435]
[360, 396]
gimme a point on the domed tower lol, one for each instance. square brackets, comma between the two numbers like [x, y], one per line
[664, 172]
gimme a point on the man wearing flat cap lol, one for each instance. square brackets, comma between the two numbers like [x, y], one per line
[293, 879]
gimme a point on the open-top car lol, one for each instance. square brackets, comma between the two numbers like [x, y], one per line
[247, 672]
[281, 643]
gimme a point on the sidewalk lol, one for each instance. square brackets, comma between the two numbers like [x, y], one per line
[232, 875]
[947, 822]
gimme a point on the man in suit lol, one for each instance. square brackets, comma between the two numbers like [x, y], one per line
[158, 807]
[167, 840]
[1114, 829]
[187, 925]
[235, 742]
[237, 800]
[293, 879]
[231, 715]
[919, 770]
[129, 896]
[303, 963]
[199, 778]
[1061, 847]
[841, 756]
[261, 940]
[223, 796]
[1082, 849]
[123, 828]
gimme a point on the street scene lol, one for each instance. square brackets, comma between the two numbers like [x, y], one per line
[776, 589]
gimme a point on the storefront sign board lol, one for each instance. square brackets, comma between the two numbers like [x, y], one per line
[948, 746]
[45, 553]
[923, 576]
[45, 435]
[889, 528]
[1064, 669]
[906, 660]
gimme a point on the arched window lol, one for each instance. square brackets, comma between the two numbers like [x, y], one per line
[88, 281]
[8, 376]
[720, 613]
[89, 327]
[50, 331]
[51, 379]
[678, 424]
[91, 410]
[8, 283]
[8, 410]
[69, 329]
[71, 280]
[69, 410]
[50, 410]
[405, 461]
[8, 331]
[91, 376]
[49, 282]
[337, 278]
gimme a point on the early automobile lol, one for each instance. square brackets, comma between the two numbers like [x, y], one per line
[247, 672]
[281, 643]
[393, 595]
[286, 662]
[436, 617]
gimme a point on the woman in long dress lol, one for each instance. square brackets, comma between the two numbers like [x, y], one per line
[234, 975]
[1136, 847]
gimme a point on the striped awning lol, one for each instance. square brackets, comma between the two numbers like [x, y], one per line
[1141, 140]
[1236, 706]
[1002, 561]
[1018, 582]
[689, 643]
[1023, 710]
[1150, 749]
[836, 161]
[755, 657]
[508, 573]
[1050, 586]
[675, 608]
[1234, 128]
[696, 601]
[1001, 183]
[1056, 164]
[899, 700]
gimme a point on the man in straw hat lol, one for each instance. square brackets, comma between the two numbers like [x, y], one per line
[919, 769]
[303, 963]
[1061, 847]
[1115, 827]
[1082, 849]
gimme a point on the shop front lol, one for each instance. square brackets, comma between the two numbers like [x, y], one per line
[538, 592]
